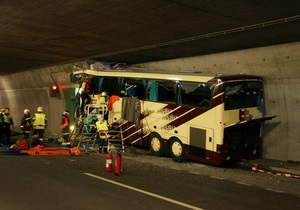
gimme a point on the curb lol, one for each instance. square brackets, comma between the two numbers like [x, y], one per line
[256, 169]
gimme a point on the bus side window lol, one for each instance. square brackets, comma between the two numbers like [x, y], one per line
[109, 85]
[161, 91]
[167, 91]
[196, 94]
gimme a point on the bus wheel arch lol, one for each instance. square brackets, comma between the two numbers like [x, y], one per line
[176, 149]
[156, 144]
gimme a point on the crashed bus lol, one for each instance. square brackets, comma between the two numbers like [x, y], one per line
[214, 119]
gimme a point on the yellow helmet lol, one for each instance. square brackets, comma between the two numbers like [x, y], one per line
[40, 109]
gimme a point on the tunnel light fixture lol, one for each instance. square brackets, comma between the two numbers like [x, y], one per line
[54, 91]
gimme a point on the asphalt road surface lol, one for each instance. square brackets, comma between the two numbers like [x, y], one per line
[146, 182]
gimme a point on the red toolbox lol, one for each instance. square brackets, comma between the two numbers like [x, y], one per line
[23, 144]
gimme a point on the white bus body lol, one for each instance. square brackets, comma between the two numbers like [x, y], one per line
[215, 119]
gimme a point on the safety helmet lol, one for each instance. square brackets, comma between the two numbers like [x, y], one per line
[2, 110]
[103, 94]
[66, 113]
[40, 109]
[26, 111]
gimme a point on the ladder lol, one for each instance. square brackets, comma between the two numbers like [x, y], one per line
[116, 139]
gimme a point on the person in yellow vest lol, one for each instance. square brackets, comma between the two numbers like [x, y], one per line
[102, 129]
[8, 121]
[103, 98]
[1, 127]
[39, 125]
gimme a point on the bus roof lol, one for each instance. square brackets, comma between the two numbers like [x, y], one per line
[178, 76]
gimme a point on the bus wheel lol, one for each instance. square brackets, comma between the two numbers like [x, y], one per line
[177, 150]
[156, 144]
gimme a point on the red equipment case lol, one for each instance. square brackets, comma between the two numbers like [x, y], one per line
[23, 144]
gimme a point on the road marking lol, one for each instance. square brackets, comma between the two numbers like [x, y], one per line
[216, 177]
[274, 190]
[145, 192]
[243, 183]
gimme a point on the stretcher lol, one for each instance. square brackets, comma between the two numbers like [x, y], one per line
[40, 150]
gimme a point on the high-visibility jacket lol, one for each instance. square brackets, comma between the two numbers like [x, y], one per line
[101, 126]
[8, 119]
[39, 121]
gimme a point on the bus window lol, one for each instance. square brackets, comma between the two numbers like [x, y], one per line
[162, 90]
[196, 94]
[109, 85]
[242, 94]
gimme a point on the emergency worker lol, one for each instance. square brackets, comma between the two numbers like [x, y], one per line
[102, 129]
[103, 98]
[39, 121]
[65, 126]
[1, 126]
[84, 92]
[8, 121]
[26, 124]
[130, 90]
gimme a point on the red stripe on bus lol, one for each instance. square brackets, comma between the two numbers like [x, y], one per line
[181, 110]
[191, 115]
[186, 117]
[168, 107]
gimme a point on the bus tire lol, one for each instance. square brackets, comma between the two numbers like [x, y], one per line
[177, 150]
[156, 144]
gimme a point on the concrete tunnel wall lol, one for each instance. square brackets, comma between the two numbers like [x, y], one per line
[31, 89]
[278, 65]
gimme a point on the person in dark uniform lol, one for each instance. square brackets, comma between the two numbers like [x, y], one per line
[26, 124]
[84, 91]
[65, 127]
[8, 122]
[1, 127]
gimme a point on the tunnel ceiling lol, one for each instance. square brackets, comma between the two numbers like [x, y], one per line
[40, 33]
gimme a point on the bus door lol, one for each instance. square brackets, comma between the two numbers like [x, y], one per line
[201, 141]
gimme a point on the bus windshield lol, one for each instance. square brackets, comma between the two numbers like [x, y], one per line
[242, 94]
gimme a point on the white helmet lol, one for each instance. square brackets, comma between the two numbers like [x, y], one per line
[103, 94]
[40, 109]
[26, 111]
[66, 113]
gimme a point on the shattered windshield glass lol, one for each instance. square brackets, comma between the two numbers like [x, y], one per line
[242, 94]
